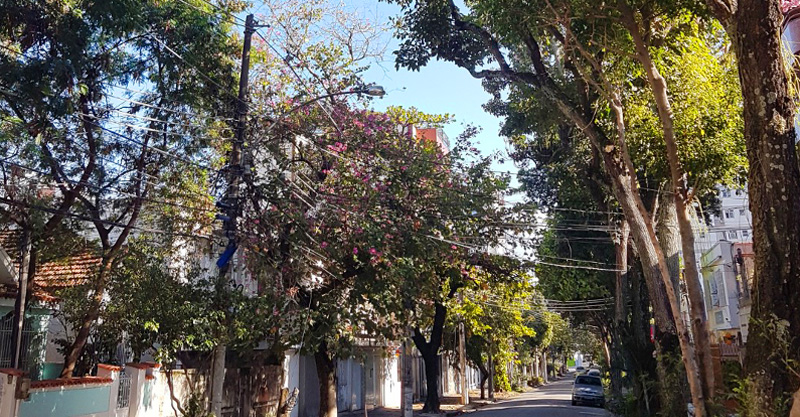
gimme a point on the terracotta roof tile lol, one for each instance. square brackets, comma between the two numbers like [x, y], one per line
[10, 291]
[53, 275]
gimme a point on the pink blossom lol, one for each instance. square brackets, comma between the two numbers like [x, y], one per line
[453, 247]
[323, 245]
[355, 251]
[373, 251]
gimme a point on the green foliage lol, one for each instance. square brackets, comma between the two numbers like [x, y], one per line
[707, 110]
[415, 117]
[155, 308]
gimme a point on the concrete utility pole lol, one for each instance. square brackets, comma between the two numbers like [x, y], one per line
[230, 204]
[462, 358]
[19, 313]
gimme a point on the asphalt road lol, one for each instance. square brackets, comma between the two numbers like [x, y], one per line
[552, 400]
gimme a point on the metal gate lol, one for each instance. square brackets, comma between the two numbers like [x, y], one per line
[32, 344]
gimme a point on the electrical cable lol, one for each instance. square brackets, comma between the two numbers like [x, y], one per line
[103, 221]
[158, 150]
[109, 187]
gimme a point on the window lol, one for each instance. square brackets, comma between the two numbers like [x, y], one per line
[732, 234]
[745, 234]
[738, 192]
[728, 214]
[719, 318]
[588, 380]
[713, 289]
[741, 212]
[726, 192]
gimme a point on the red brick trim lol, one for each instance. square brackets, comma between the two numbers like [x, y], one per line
[109, 367]
[11, 371]
[54, 383]
[149, 377]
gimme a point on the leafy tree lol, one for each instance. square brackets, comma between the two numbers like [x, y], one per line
[575, 72]
[494, 311]
[67, 67]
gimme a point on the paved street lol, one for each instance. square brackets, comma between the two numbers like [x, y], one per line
[552, 400]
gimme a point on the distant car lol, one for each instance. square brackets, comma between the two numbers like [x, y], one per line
[579, 369]
[588, 390]
[593, 372]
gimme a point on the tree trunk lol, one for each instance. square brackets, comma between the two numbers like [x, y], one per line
[326, 372]
[621, 277]
[484, 377]
[669, 236]
[432, 372]
[430, 355]
[92, 314]
[773, 186]
[683, 204]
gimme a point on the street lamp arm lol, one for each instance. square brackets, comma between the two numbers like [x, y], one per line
[371, 90]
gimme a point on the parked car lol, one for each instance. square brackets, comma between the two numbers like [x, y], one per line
[579, 369]
[588, 390]
[593, 372]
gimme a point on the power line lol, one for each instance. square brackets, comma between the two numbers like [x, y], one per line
[531, 261]
[151, 119]
[103, 221]
[199, 71]
[149, 129]
[154, 107]
[109, 187]
[153, 148]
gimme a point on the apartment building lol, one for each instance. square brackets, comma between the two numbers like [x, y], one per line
[724, 250]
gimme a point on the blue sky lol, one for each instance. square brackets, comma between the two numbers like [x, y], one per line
[439, 87]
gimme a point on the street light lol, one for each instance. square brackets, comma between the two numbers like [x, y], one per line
[374, 90]
[370, 90]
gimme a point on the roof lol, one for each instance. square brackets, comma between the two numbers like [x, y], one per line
[53, 275]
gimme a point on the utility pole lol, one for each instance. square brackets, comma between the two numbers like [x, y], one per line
[231, 206]
[462, 358]
[19, 313]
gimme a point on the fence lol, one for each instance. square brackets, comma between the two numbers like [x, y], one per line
[32, 346]
[124, 391]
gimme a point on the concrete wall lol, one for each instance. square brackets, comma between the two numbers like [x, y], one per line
[77, 397]
[86, 400]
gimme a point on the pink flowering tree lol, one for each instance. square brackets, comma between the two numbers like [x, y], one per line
[352, 225]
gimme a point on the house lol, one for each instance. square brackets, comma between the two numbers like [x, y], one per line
[371, 378]
[41, 325]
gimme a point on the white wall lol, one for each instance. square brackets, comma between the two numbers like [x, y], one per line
[392, 393]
